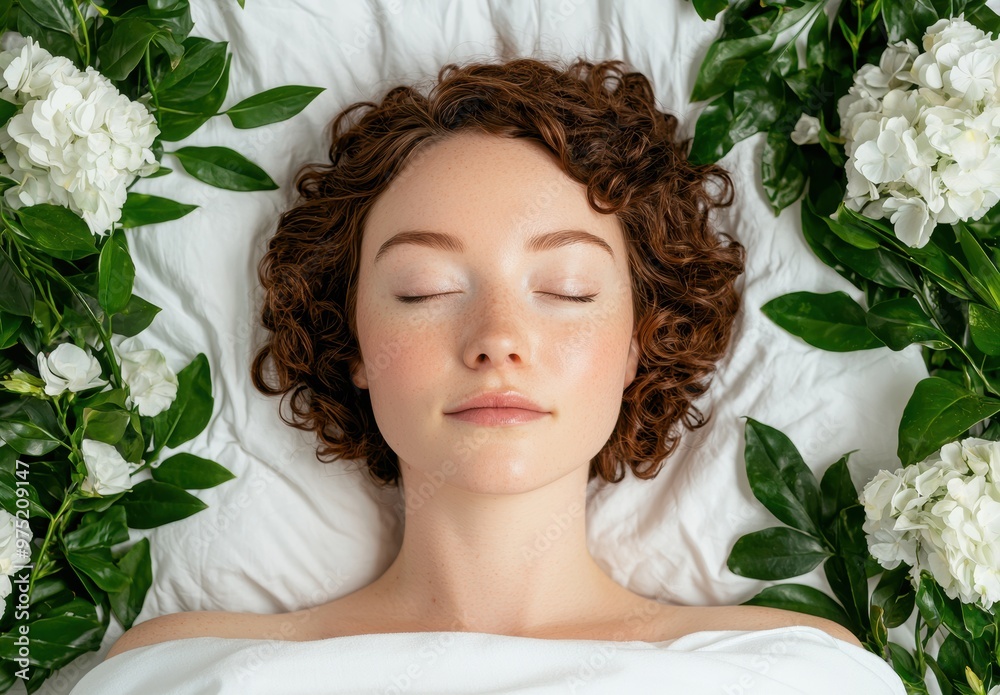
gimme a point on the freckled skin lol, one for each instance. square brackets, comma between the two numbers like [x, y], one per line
[480, 499]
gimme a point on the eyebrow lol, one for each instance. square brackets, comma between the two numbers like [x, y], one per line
[449, 242]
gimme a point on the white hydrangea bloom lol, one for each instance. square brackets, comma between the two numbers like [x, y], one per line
[941, 515]
[922, 131]
[76, 142]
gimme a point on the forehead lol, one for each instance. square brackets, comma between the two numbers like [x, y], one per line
[484, 188]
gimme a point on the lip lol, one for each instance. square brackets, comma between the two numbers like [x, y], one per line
[497, 416]
[498, 400]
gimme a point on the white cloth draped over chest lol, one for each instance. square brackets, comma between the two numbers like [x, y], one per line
[795, 660]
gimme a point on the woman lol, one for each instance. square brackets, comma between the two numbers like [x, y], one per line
[490, 296]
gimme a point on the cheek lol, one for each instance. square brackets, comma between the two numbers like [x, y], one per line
[398, 356]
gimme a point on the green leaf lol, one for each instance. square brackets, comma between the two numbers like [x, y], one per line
[984, 327]
[980, 266]
[711, 139]
[831, 321]
[59, 636]
[10, 328]
[783, 170]
[7, 111]
[191, 410]
[138, 565]
[54, 14]
[707, 9]
[186, 117]
[836, 491]
[152, 503]
[724, 62]
[908, 20]
[802, 599]
[58, 231]
[901, 322]
[936, 413]
[775, 553]
[224, 168]
[97, 564]
[16, 294]
[141, 209]
[758, 100]
[241, 2]
[135, 317]
[127, 46]
[271, 106]
[116, 273]
[197, 74]
[191, 472]
[854, 234]
[28, 426]
[104, 530]
[895, 595]
[780, 479]
[106, 426]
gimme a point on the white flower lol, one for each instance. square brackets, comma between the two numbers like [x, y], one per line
[76, 142]
[15, 550]
[152, 384]
[922, 131]
[911, 220]
[806, 130]
[108, 473]
[69, 367]
[941, 515]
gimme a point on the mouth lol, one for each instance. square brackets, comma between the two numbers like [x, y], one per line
[497, 416]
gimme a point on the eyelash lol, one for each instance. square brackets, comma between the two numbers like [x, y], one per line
[568, 298]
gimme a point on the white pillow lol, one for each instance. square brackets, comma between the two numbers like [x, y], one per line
[291, 532]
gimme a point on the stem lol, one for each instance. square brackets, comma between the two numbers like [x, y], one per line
[40, 569]
[149, 76]
[925, 305]
[921, 663]
[98, 324]
[86, 34]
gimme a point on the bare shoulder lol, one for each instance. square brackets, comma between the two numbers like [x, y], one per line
[766, 618]
[186, 624]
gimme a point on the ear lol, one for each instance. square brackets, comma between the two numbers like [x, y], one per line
[358, 374]
[632, 365]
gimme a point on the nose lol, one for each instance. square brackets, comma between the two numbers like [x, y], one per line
[497, 334]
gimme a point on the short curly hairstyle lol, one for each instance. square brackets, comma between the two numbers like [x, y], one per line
[610, 137]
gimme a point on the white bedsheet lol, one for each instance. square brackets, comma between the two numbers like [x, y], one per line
[291, 532]
[782, 661]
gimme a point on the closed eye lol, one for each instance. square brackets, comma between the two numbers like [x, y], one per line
[568, 298]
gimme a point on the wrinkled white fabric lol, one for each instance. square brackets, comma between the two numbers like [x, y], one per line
[795, 660]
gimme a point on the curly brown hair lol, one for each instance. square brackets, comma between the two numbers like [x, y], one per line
[613, 139]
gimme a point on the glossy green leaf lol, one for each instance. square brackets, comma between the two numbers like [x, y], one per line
[55, 14]
[191, 472]
[152, 503]
[197, 74]
[224, 168]
[722, 66]
[802, 599]
[901, 322]
[142, 209]
[775, 553]
[17, 296]
[836, 491]
[104, 530]
[126, 47]
[184, 118]
[97, 564]
[57, 230]
[780, 479]
[707, 9]
[936, 413]
[711, 139]
[116, 273]
[271, 106]
[980, 267]
[191, 410]
[984, 327]
[831, 321]
[138, 565]
[783, 170]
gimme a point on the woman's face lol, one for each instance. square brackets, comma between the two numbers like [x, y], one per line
[497, 319]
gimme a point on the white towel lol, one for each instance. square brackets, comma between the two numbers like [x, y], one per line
[795, 660]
